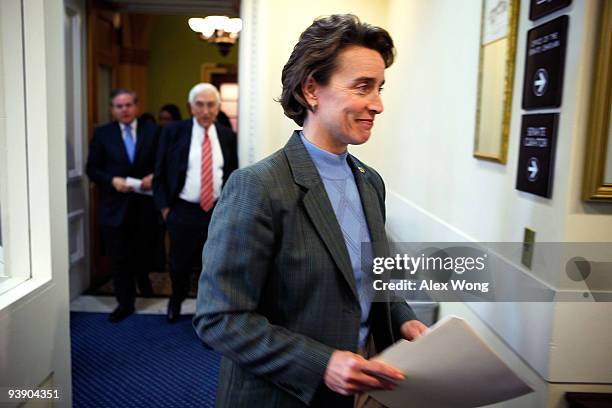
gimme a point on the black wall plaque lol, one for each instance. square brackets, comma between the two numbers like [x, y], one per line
[541, 8]
[543, 82]
[537, 154]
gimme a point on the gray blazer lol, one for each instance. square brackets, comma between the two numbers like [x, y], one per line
[277, 293]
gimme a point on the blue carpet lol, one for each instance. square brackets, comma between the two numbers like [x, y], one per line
[141, 362]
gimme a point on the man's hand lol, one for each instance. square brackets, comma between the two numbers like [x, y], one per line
[348, 374]
[412, 329]
[147, 182]
[121, 185]
[164, 213]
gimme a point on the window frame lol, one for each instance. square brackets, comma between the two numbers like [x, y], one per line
[30, 100]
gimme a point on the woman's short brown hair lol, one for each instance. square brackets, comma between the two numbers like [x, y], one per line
[316, 53]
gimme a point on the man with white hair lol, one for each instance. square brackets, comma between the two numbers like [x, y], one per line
[194, 160]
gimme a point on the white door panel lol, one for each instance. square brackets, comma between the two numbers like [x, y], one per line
[76, 140]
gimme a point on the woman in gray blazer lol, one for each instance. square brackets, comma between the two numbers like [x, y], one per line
[282, 294]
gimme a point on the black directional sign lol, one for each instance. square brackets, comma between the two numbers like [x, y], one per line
[541, 8]
[537, 154]
[543, 83]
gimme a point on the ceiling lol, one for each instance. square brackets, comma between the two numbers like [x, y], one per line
[229, 8]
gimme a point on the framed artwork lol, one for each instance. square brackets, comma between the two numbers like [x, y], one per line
[597, 184]
[495, 78]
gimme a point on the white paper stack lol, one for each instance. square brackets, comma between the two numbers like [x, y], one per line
[449, 366]
[135, 184]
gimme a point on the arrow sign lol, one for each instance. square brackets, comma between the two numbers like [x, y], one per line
[541, 8]
[540, 84]
[533, 169]
[544, 65]
[536, 161]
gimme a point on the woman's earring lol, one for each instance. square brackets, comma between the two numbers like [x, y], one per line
[313, 107]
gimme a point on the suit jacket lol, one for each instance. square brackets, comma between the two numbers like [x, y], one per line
[108, 158]
[277, 294]
[173, 158]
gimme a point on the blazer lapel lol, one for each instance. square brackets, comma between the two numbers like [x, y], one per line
[140, 140]
[225, 150]
[369, 201]
[222, 141]
[319, 208]
[183, 146]
[374, 215]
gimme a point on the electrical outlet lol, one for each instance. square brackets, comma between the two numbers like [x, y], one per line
[528, 247]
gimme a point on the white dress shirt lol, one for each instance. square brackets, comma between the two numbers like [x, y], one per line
[191, 190]
[134, 126]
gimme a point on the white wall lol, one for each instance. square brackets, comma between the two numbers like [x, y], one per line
[424, 140]
[34, 316]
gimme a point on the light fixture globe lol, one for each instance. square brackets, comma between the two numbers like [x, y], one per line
[220, 30]
[196, 24]
[217, 21]
[233, 25]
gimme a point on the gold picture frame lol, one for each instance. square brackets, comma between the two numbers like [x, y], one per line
[598, 161]
[499, 26]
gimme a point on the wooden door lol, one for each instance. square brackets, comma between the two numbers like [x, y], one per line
[102, 69]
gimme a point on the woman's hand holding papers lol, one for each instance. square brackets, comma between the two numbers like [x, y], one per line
[348, 374]
[412, 329]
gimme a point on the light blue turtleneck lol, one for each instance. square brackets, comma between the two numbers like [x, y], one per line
[344, 196]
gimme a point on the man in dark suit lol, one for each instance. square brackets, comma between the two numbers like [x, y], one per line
[120, 154]
[195, 158]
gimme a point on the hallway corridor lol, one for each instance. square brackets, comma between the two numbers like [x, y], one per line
[141, 362]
